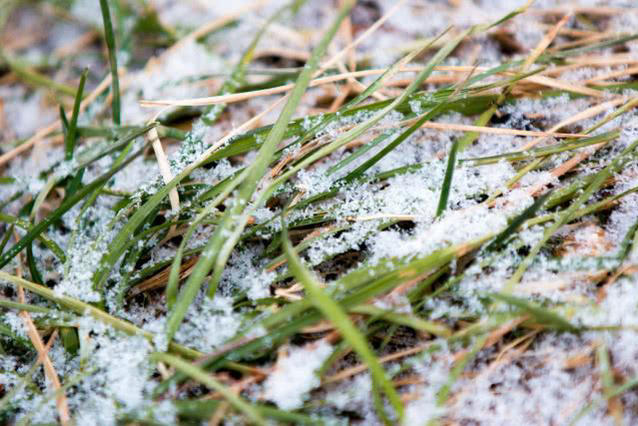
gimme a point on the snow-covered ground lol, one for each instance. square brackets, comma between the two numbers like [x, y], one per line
[506, 363]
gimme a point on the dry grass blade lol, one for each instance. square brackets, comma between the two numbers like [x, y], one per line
[544, 43]
[42, 350]
[49, 369]
[588, 113]
[162, 162]
[495, 130]
[358, 369]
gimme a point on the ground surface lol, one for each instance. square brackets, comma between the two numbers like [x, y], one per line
[445, 236]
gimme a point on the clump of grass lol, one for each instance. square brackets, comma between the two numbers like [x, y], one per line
[431, 257]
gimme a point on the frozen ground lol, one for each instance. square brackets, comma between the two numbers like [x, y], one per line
[512, 300]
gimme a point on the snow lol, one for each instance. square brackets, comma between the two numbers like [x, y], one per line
[116, 379]
[294, 375]
[551, 393]
[209, 324]
[24, 113]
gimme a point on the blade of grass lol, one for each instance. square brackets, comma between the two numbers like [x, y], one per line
[36, 276]
[541, 315]
[82, 308]
[109, 37]
[447, 179]
[407, 320]
[203, 377]
[545, 151]
[333, 312]
[71, 128]
[46, 240]
[203, 409]
[518, 221]
[70, 137]
[34, 78]
[5, 238]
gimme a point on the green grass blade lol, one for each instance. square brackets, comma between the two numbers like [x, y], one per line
[203, 410]
[6, 236]
[36, 276]
[203, 377]
[545, 151]
[606, 373]
[333, 313]
[540, 314]
[407, 320]
[358, 153]
[561, 54]
[46, 240]
[71, 132]
[518, 221]
[34, 78]
[109, 37]
[447, 179]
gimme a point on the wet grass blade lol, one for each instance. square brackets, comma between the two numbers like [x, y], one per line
[545, 151]
[36, 276]
[5, 238]
[204, 409]
[34, 78]
[406, 320]
[21, 223]
[585, 49]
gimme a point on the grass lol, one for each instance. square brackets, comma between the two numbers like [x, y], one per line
[109, 38]
[431, 255]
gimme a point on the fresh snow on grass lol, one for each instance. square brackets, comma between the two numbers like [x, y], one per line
[473, 320]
